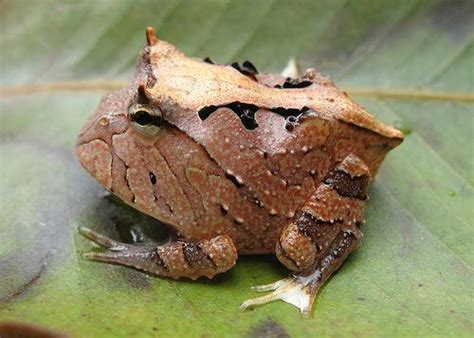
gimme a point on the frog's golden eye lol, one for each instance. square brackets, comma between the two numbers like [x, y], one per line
[145, 118]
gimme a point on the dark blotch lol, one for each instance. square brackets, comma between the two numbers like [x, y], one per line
[246, 113]
[208, 60]
[247, 69]
[291, 115]
[193, 253]
[314, 228]
[347, 186]
[152, 178]
[295, 83]
[234, 180]
[268, 328]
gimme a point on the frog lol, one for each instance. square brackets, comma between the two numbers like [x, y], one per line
[235, 162]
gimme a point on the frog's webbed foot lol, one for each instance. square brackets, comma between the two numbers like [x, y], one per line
[173, 259]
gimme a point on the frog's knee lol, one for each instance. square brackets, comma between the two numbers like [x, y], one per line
[295, 249]
[221, 251]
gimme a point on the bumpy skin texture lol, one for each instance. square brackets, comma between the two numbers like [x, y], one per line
[272, 164]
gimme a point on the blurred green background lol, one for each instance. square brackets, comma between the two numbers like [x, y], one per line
[409, 62]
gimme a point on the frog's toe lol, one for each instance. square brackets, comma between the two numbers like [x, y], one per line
[292, 290]
[102, 240]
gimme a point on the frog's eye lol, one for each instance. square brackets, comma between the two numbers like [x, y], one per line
[145, 118]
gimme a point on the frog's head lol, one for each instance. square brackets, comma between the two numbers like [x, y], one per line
[120, 147]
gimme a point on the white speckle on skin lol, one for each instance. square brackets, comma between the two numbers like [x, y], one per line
[272, 212]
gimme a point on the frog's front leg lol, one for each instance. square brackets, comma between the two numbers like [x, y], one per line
[321, 236]
[174, 259]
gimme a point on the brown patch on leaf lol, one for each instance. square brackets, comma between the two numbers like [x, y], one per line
[268, 328]
[24, 330]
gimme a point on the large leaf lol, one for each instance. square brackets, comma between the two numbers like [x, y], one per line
[410, 62]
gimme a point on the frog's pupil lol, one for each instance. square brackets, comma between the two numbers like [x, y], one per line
[143, 118]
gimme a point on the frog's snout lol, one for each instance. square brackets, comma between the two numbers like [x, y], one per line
[93, 151]
[96, 157]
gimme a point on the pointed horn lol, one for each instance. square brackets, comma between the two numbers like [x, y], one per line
[150, 36]
[142, 94]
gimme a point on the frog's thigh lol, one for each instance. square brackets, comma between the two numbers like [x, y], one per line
[174, 259]
[335, 207]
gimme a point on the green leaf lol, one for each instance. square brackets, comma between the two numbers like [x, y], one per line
[410, 62]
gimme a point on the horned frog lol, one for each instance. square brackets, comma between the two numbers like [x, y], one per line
[235, 163]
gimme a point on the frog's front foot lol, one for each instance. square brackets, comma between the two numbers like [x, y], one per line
[174, 259]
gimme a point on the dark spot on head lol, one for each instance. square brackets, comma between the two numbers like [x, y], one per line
[206, 111]
[294, 83]
[248, 66]
[291, 115]
[246, 113]
[420, 285]
[361, 298]
[265, 155]
[247, 69]
[152, 178]
[223, 211]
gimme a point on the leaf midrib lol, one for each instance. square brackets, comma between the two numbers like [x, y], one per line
[107, 85]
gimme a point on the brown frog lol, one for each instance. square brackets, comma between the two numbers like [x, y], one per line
[235, 162]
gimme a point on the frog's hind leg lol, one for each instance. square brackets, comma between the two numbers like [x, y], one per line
[301, 288]
[174, 259]
[321, 236]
